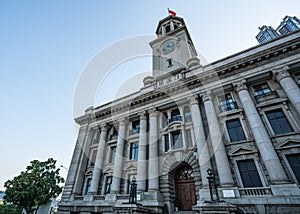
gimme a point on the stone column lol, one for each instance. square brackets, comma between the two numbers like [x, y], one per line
[83, 161]
[99, 161]
[203, 153]
[75, 162]
[153, 152]
[221, 158]
[142, 155]
[262, 139]
[289, 86]
[118, 163]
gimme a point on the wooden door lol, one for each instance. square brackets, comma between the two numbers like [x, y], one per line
[185, 188]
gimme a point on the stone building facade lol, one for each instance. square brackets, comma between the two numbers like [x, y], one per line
[239, 116]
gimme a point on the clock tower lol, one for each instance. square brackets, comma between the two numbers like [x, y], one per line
[173, 50]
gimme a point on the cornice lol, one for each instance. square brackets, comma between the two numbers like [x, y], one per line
[210, 73]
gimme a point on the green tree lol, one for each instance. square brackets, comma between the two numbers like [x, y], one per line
[9, 209]
[34, 187]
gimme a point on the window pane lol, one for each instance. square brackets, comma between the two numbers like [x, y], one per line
[108, 184]
[134, 148]
[235, 130]
[113, 154]
[278, 121]
[88, 185]
[167, 145]
[177, 140]
[249, 174]
[189, 138]
[294, 161]
[262, 89]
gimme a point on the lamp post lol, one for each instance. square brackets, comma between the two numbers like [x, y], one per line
[133, 191]
[212, 186]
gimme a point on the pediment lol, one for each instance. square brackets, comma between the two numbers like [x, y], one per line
[242, 151]
[289, 143]
[89, 171]
[131, 167]
[108, 170]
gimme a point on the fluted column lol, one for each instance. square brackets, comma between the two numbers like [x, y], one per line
[99, 161]
[204, 157]
[117, 173]
[222, 162]
[153, 152]
[262, 139]
[142, 155]
[289, 86]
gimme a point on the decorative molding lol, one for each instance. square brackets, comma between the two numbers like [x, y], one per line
[288, 143]
[281, 72]
[206, 97]
[193, 100]
[153, 112]
[242, 151]
[239, 86]
[104, 128]
[122, 122]
[143, 115]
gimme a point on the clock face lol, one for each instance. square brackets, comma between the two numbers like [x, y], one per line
[168, 46]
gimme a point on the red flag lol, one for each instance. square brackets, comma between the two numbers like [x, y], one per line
[171, 12]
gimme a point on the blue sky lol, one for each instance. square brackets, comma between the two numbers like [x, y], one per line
[45, 46]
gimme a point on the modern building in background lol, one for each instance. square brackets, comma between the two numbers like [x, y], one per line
[288, 25]
[239, 116]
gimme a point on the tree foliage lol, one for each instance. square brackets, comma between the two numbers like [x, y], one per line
[34, 187]
[9, 209]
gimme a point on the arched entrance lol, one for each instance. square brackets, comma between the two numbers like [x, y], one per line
[185, 192]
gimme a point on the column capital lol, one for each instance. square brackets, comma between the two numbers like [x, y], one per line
[143, 115]
[193, 100]
[281, 72]
[242, 85]
[122, 121]
[153, 112]
[206, 97]
[104, 127]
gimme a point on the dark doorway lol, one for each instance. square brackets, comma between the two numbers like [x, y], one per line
[184, 187]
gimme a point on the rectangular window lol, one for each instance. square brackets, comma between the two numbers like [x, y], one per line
[177, 140]
[88, 185]
[278, 121]
[249, 174]
[187, 115]
[175, 116]
[167, 144]
[108, 184]
[235, 130]
[226, 103]
[262, 89]
[135, 127]
[112, 154]
[93, 158]
[294, 161]
[134, 148]
[96, 138]
[189, 138]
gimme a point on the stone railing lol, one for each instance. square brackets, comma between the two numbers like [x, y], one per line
[228, 106]
[266, 96]
[99, 197]
[78, 198]
[256, 191]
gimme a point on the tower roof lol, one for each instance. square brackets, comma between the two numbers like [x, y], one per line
[167, 20]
